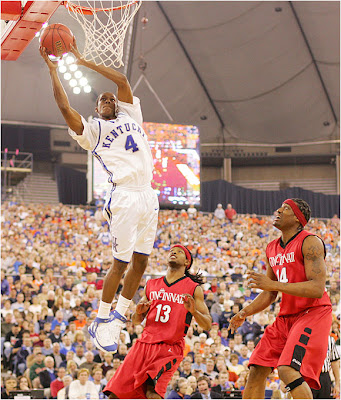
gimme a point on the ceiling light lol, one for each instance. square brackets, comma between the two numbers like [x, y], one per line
[278, 9]
[83, 81]
[73, 67]
[78, 74]
[67, 76]
[61, 62]
[62, 69]
[326, 123]
[73, 82]
[69, 60]
[76, 90]
[87, 89]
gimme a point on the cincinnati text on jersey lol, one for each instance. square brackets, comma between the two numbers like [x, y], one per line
[166, 296]
[280, 259]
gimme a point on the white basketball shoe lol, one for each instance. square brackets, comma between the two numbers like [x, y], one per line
[106, 331]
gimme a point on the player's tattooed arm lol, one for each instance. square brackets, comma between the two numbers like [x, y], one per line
[315, 267]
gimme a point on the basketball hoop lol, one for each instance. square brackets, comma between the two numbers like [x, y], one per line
[105, 24]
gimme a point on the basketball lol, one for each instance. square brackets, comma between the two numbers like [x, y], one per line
[57, 38]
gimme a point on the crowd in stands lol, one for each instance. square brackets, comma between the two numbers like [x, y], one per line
[54, 259]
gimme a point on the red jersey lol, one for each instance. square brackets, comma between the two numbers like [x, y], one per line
[167, 318]
[288, 265]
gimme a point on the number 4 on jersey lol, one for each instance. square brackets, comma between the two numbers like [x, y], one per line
[130, 144]
[283, 277]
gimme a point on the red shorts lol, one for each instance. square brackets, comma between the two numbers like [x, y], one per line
[299, 341]
[157, 361]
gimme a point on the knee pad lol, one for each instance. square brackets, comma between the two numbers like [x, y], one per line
[292, 385]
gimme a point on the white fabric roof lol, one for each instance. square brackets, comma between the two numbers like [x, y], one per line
[256, 74]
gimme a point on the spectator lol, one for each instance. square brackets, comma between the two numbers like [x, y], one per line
[37, 366]
[10, 385]
[6, 309]
[192, 212]
[81, 320]
[69, 356]
[47, 348]
[230, 213]
[224, 383]
[66, 345]
[63, 394]
[235, 367]
[243, 358]
[83, 388]
[48, 374]
[58, 383]
[181, 390]
[186, 368]
[24, 383]
[122, 351]
[19, 304]
[22, 353]
[219, 212]
[217, 308]
[108, 363]
[72, 368]
[249, 330]
[59, 320]
[6, 325]
[210, 372]
[97, 376]
[56, 336]
[89, 364]
[198, 363]
[5, 288]
[56, 354]
[204, 390]
[79, 358]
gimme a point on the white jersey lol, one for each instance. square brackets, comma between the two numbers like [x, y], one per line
[120, 145]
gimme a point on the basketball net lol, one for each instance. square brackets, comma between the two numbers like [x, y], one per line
[105, 24]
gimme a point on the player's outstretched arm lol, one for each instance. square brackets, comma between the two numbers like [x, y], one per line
[71, 116]
[124, 92]
[141, 311]
[197, 307]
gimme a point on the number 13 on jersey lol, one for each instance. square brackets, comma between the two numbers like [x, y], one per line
[162, 313]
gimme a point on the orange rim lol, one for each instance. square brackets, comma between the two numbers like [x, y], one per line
[89, 11]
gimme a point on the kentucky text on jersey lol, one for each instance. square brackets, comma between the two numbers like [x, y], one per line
[280, 259]
[166, 296]
[120, 129]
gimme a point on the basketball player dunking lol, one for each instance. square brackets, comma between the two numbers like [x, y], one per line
[168, 305]
[296, 343]
[119, 143]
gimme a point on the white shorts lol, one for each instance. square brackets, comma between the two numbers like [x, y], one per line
[132, 215]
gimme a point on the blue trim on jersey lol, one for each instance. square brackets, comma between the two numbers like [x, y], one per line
[127, 262]
[99, 135]
[105, 168]
[144, 254]
[107, 208]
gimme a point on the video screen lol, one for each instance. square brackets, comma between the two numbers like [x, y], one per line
[175, 150]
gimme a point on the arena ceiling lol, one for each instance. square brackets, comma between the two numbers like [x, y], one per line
[243, 71]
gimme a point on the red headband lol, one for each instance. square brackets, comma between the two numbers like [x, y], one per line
[187, 253]
[296, 211]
